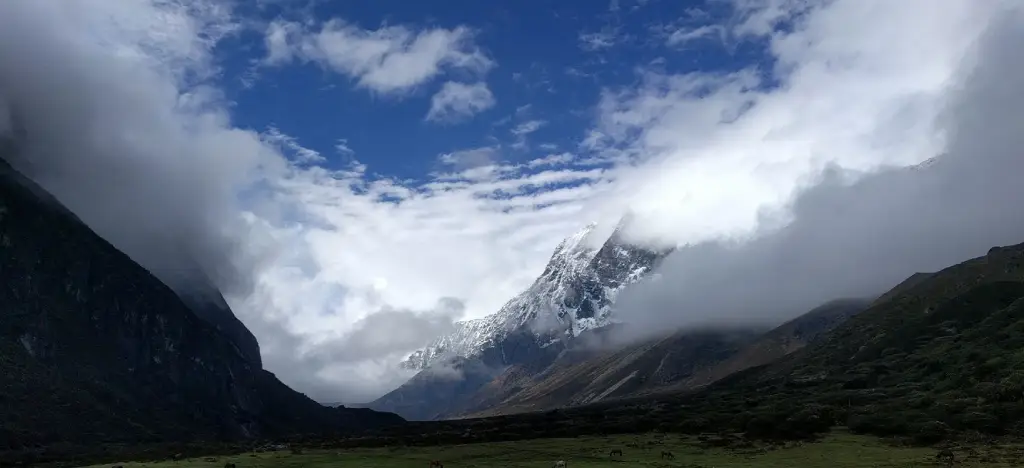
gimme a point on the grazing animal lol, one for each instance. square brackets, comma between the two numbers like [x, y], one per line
[946, 455]
[177, 457]
[229, 465]
[615, 452]
[667, 455]
[436, 463]
[560, 464]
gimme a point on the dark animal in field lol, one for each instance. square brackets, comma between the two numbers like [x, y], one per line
[117, 466]
[615, 452]
[560, 464]
[667, 455]
[945, 455]
[229, 465]
[436, 463]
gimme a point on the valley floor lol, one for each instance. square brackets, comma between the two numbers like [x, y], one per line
[838, 450]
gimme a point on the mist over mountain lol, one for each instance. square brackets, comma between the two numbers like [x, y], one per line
[855, 234]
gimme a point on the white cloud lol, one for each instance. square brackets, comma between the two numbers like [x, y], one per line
[528, 127]
[861, 83]
[523, 130]
[471, 158]
[387, 60]
[682, 36]
[605, 38]
[342, 147]
[456, 101]
[314, 255]
[857, 235]
[551, 160]
[286, 143]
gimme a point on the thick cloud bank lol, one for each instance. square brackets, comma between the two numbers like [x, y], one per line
[858, 235]
[128, 141]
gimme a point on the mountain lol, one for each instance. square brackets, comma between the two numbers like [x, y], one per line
[938, 354]
[572, 296]
[607, 374]
[207, 302]
[683, 361]
[937, 357]
[780, 342]
[94, 348]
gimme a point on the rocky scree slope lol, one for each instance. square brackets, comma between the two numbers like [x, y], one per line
[94, 348]
[573, 295]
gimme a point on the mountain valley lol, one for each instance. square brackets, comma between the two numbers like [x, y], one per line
[934, 358]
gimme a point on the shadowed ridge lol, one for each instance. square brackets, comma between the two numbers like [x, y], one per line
[94, 348]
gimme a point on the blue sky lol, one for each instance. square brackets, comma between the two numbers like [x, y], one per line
[213, 126]
[551, 66]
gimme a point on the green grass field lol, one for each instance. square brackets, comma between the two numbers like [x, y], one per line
[839, 450]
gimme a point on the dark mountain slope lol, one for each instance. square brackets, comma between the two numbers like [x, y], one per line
[683, 361]
[208, 303]
[94, 348]
[785, 339]
[615, 374]
[940, 355]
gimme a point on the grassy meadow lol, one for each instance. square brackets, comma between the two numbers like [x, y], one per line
[837, 450]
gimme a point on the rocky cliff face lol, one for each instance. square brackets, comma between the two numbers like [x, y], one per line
[207, 303]
[94, 348]
[573, 295]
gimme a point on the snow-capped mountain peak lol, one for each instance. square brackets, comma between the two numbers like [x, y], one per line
[575, 293]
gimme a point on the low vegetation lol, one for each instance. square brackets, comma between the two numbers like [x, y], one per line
[839, 450]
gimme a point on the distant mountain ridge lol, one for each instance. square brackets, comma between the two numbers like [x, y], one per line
[573, 295]
[682, 361]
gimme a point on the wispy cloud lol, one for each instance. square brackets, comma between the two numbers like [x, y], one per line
[289, 145]
[457, 101]
[341, 146]
[390, 60]
[684, 35]
[523, 130]
[604, 38]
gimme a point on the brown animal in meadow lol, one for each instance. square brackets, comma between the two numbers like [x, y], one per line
[229, 465]
[560, 464]
[436, 463]
[667, 455]
[615, 452]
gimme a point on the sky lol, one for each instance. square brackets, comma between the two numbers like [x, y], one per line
[356, 176]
